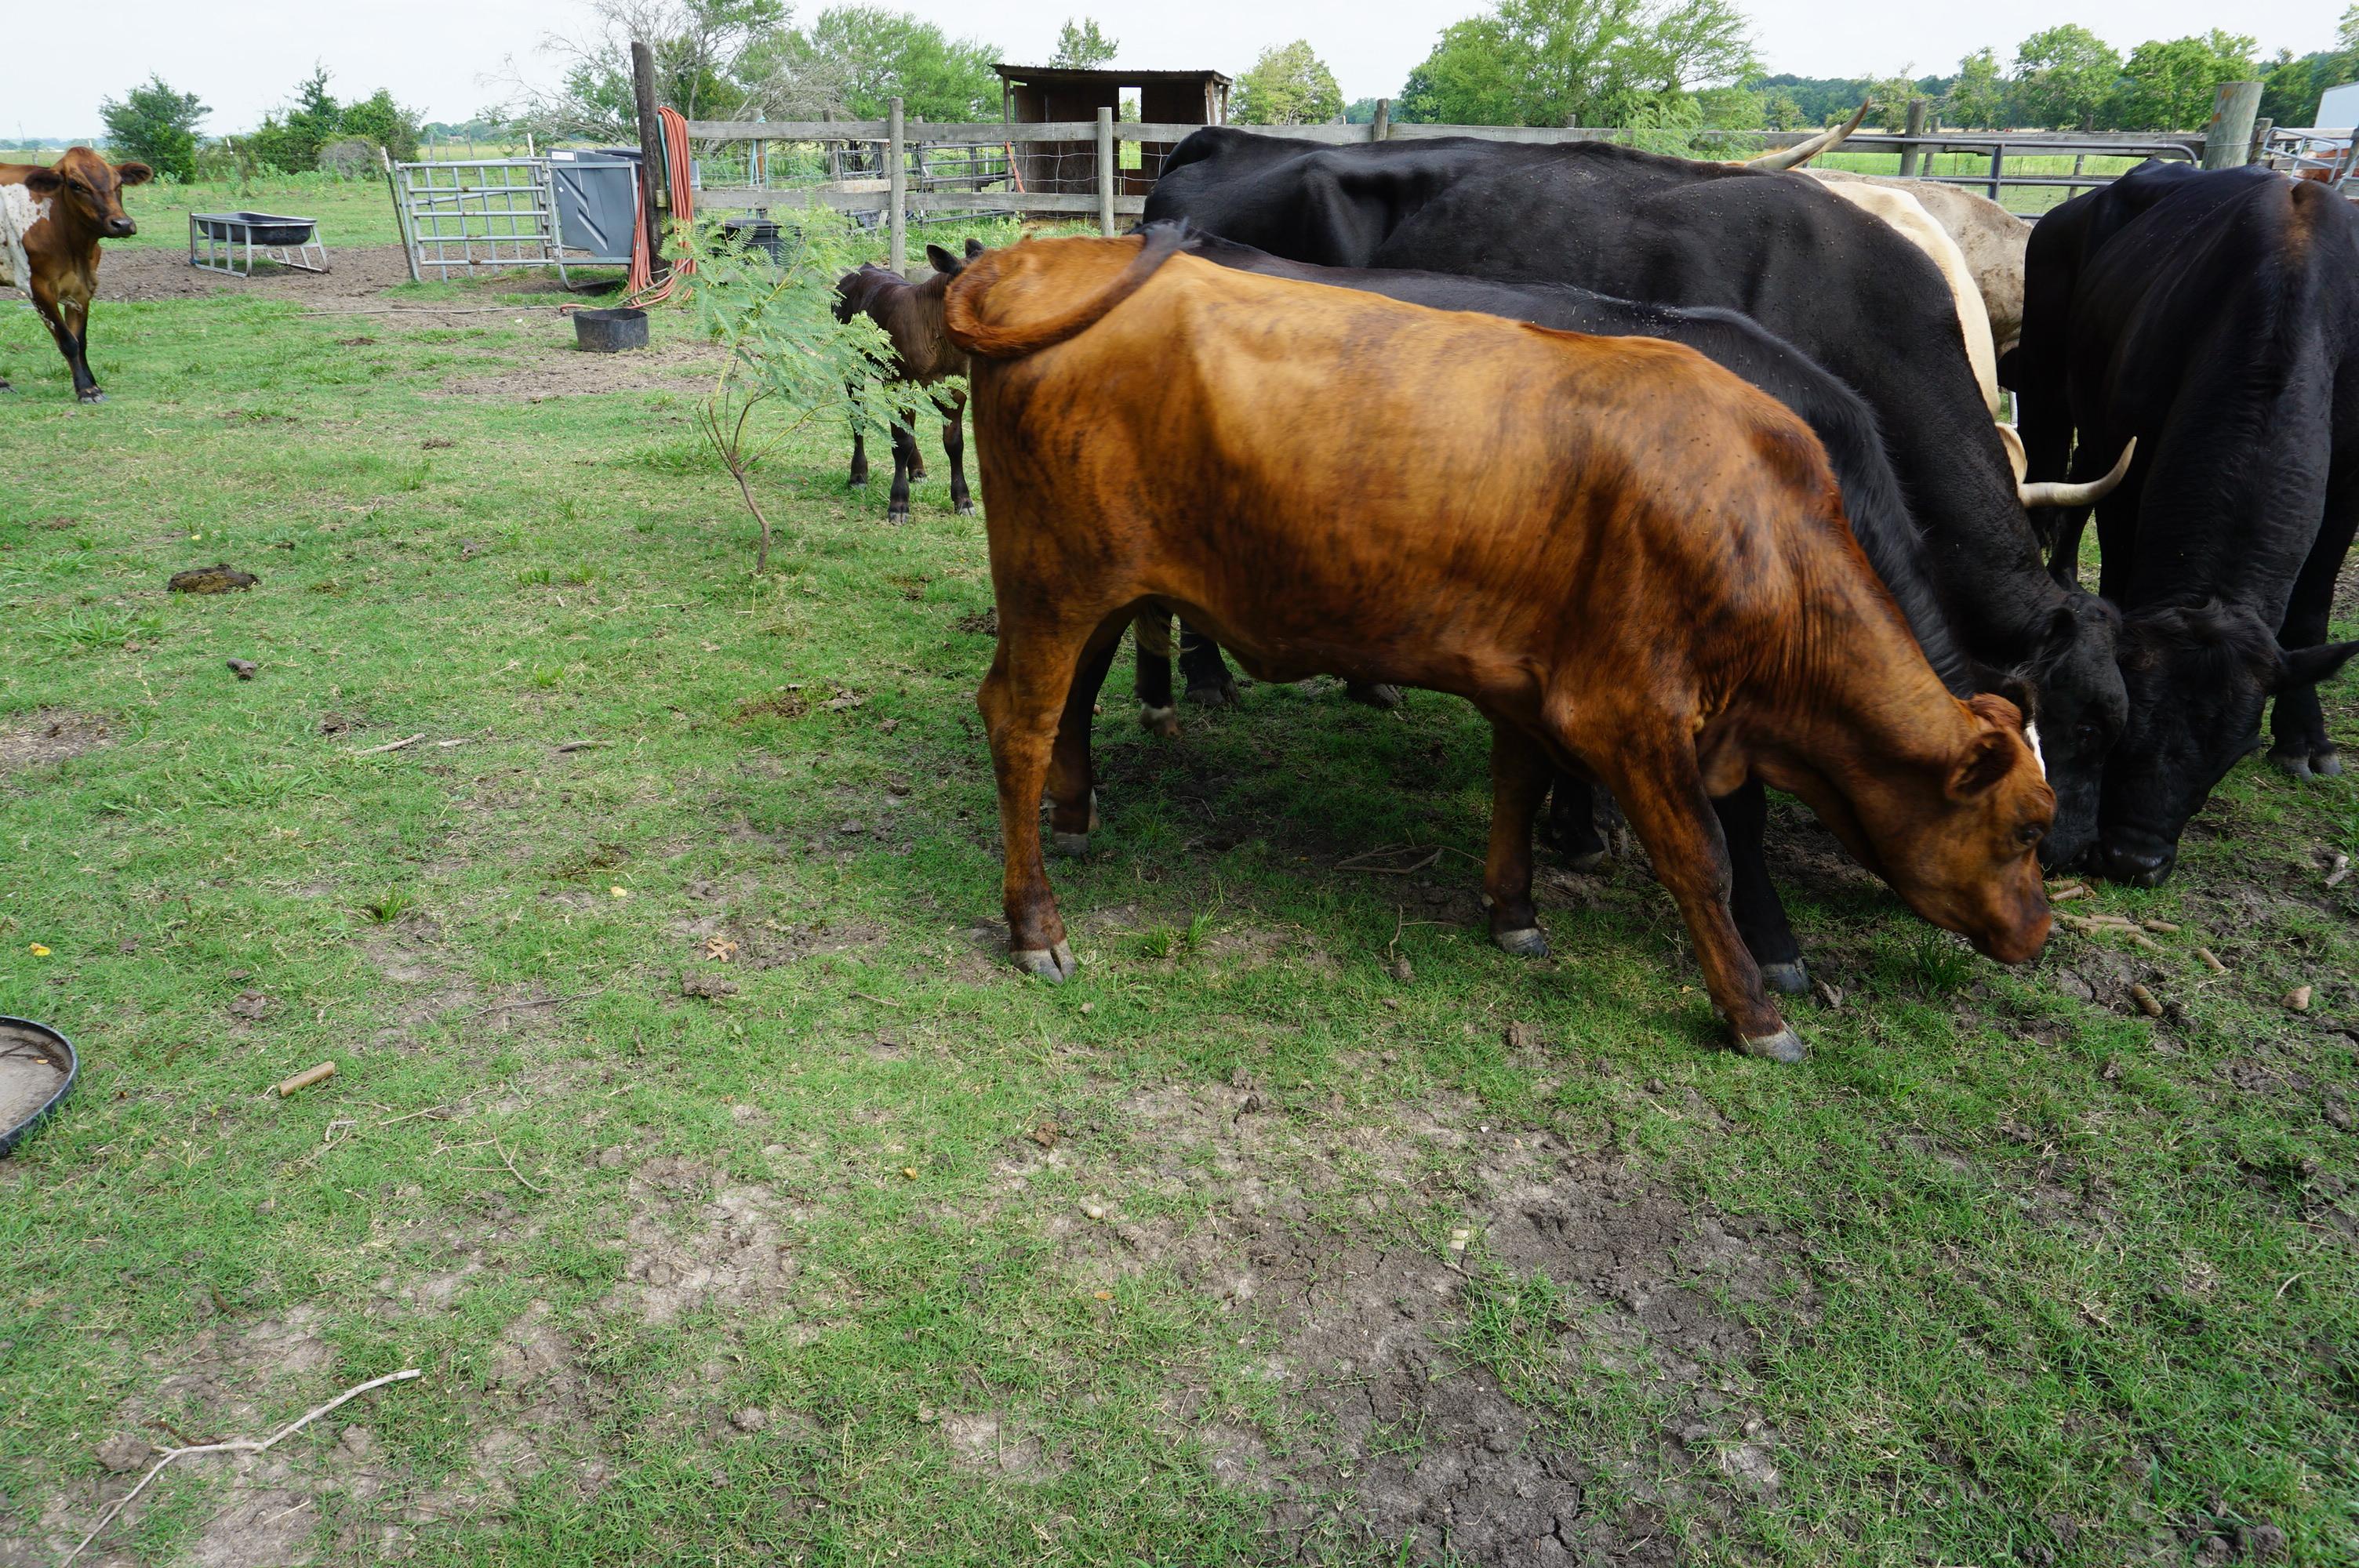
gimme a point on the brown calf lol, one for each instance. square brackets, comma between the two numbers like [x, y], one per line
[52, 219]
[1634, 564]
[911, 315]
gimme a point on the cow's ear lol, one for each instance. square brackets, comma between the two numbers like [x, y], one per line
[944, 261]
[1984, 761]
[2019, 690]
[134, 173]
[45, 182]
[974, 249]
[2308, 666]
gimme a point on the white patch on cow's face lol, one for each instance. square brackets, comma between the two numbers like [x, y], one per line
[2031, 735]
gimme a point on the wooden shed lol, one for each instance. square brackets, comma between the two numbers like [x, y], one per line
[1044, 94]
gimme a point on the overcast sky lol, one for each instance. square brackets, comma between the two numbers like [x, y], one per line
[242, 56]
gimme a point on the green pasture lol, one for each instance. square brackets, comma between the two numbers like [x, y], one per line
[740, 1206]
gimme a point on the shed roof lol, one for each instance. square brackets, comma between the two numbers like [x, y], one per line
[1055, 75]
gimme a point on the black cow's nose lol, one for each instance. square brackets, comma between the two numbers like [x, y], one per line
[120, 228]
[2138, 868]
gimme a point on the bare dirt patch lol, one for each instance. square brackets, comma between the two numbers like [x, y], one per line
[45, 738]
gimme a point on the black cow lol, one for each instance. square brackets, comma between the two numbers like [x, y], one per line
[1844, 426]
[1816, 271]
[2215, 316]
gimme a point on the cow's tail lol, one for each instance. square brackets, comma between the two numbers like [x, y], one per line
[1014, 339]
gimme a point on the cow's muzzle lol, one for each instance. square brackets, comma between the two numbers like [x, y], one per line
[2138, 867]
[120, 228]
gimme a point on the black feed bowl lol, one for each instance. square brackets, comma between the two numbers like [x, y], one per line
[261, 228]
[31, 1054]
[610, 331]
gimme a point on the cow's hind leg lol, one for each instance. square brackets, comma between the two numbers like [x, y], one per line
[1203, 669]
[1655, 778]
[1023, 704]
[954, 448]
[904, 468]
[1151, 635]
[859, 475]
[1753, 897]
[1381, 695]
[2299, 741]
[1519, 777]
[1572, 823]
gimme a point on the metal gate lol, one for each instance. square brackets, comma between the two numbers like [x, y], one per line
[479, 212]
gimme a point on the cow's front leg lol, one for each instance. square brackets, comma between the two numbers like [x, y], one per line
[859, 457]
[1150, 632]
[1073, 782]
[1023, 700]
[1572, 823]
[1752, 897]
[905, 468]
[67, 316]
[954, 448]
[1202, 668]
[2299, 741]
[1654, 777]
[1519, 777]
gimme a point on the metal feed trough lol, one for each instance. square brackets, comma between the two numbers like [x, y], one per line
[214, 239]
[482, 212]
[37, 1073]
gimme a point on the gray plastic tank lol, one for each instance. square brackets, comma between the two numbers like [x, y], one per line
[597, 203]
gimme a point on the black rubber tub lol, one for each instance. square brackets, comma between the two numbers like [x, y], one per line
[264, 228]
[37, 1073]
[610, 331]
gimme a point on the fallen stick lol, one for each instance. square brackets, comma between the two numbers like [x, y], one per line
[511, 1165]
[578, 746]
[306, 1078]
[229, 1446]
[390, 745]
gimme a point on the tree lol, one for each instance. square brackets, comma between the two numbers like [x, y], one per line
[1578, 63]
[2063, 77]
[1978, 99]
[155, 125]
[381, 120]
[2168, 85]
[1081, 47]
[872, 54]
[1891, 95]
[290, 138]
[1289, 85]
[724, 59]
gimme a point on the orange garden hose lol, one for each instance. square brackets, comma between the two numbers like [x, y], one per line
[679, 175]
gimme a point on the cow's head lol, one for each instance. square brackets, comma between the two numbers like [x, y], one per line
[2198, 676]
[2072, 691]
[1971, 864]
[88, 190]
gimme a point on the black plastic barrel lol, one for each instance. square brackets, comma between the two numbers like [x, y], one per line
[757, 233]
[610, 331]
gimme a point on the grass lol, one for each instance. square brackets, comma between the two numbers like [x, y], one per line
[887, 1255]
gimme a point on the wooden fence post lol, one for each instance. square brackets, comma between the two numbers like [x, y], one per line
[2228, 139]
[1915, 128]
[1381, 128]
[2259, 150]
[1109, 172]
[898, 183]
[654, 198]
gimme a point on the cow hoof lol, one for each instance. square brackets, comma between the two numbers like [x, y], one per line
[1055, 964]
[858, 481]
[964, 509]
[93, 396]
[1071, 845]
[1159, 721]
[1793, 978]
[2327, 765]
[1588, 863]
[2292, 763]
[1374, 694]
[896, 514]
[1223, 695]
[1525, 943]
[1783, 1046]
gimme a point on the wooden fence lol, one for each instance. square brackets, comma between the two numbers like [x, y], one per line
[1112, 188]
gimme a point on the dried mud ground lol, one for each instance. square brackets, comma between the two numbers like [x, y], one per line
[737, 1205]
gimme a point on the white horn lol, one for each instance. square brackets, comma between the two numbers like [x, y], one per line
[2087, 495]
[1801, 153]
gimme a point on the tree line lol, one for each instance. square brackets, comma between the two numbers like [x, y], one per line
[158, 124]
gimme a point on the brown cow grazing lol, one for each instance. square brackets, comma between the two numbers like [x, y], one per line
[1634, 564]
[911, 315]
[52, 219]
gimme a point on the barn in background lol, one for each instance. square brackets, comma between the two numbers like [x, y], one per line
[1042, 94]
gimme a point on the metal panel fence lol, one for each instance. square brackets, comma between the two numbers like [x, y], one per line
[480, 212]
